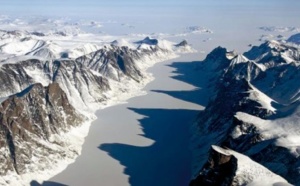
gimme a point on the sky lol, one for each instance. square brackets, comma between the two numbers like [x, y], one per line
[127, 8]
[94, 7]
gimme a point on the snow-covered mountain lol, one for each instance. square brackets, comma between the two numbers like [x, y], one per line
[254, 109]
[80, 84]
[50, 88]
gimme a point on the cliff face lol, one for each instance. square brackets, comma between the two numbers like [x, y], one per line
[28, 122]
[220, 169]
[254, 110]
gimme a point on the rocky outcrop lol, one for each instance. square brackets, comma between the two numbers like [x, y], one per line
[28, 121]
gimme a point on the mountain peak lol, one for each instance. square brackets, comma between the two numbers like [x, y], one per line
[182, 43]
[147, 40]
[239, 59]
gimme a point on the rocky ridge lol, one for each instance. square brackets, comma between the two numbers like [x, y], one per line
[256, 94]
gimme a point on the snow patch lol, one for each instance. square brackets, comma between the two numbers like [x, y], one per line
[81, 50]
[237, 59]
[261, 98]
[285, 131]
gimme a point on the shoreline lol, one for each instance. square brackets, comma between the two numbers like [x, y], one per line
[132, 134]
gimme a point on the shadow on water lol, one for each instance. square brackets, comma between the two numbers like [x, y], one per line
[45, 183]
[168, 160]
[194, 96]
[190, 73]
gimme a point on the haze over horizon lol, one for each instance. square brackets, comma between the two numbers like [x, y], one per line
[180, 8]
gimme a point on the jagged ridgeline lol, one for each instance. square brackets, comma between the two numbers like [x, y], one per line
[46, 94]
[255, 111]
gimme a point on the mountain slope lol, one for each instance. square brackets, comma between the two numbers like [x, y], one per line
[32, 122]
[255, 108]
[79, 83]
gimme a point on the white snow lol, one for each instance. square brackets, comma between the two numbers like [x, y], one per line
[37, 76]
[123, 42]
[22, 47]
[184, 49]
[221, 150]
[285, 131]
[268, 182]
[82, 49]
[261, 98]
[237, 59]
